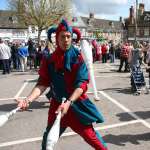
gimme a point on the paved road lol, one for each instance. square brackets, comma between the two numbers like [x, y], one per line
[127, 117]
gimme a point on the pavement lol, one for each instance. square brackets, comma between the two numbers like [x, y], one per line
[127, 116]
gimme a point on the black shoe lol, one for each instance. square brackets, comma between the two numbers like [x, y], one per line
[118, 70]
[126, 70]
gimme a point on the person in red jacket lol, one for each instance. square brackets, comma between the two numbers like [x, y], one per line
[124, 55]
[104, 53]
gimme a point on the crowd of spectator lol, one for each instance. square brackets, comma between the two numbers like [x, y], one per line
[26, 56]
[22, 56]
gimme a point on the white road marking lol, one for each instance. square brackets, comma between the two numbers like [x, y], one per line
[103, 69]
[21, 89]
[31, 80]
[29, 140]
[20, 141]
[124, 108]
[115, 75]
[12, 98]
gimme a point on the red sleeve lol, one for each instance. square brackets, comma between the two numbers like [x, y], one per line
[44, 78]
[83, 86]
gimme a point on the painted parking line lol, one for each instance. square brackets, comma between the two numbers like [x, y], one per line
[21, 89]
[108, 69]
[20, 97]
[124, 108]
[29, 140]
[17, 94]
[115, 75]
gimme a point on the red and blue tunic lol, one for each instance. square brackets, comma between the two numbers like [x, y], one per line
[64, 72]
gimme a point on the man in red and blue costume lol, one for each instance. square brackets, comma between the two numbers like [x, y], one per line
[66, 73]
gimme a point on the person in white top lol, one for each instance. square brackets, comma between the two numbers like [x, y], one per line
[148, 62]
[5, 55]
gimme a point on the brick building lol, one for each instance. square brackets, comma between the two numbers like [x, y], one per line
[91, 27]
[142, 32]
[100, 29]
[10, 29]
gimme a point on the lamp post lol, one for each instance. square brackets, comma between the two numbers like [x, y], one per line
[136, 18]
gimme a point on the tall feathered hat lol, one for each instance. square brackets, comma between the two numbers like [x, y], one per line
[64, 26]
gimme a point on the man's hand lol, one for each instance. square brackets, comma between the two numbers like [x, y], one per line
[63, 108]
[23, 103]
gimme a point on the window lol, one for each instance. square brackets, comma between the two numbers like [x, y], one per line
[142, 32]
[146, 31]
[138, 32]
[131, 32]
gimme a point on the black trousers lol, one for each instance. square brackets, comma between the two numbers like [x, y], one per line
[5, 66]
[122, 61]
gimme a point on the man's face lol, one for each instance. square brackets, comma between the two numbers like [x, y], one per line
[64, 40]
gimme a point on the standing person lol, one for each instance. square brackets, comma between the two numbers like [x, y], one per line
[112, 53]
[97, 50]
[23, 54]
[15, 56]
[135, 55]
[39, 56]
[144, 49]
[32, 53]
[148, 62]
[104, 53]
[66, 74]
[124, 55]
[5, 55]
[107, 51]
[47, 50]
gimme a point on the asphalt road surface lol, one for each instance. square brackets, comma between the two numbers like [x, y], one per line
[127, 116]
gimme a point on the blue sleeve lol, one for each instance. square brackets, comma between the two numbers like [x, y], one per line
[82, 75]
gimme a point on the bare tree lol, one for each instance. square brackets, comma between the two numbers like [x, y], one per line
[41, 13]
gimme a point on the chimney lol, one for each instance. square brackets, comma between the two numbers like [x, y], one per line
[131, 15]
[91, 16]
[131, 12]
[120, 19]
[141, 9]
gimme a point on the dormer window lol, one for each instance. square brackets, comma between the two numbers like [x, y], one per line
[89, 22]
[13, 19]
[147, 17]
[10, 19]
[111, 24]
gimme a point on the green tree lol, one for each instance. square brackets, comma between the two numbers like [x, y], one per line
[41, 13]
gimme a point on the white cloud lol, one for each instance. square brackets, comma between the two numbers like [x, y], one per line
[106, 8]
[98, 7]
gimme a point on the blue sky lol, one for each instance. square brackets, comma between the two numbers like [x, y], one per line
[3, 4]
[105, 9]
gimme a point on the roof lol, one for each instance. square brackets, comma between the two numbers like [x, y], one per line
[78, 22]
[8, 20]
[102, 23]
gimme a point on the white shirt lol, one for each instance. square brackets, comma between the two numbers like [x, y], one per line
[5, 52]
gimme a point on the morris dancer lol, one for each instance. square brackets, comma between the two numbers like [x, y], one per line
[66, 74]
